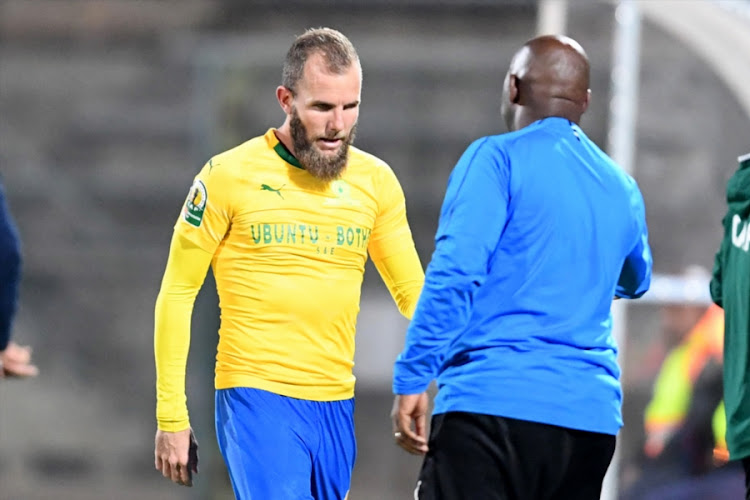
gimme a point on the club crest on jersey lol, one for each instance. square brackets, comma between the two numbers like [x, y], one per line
[342, 192]
[195, 204]
[341, 189]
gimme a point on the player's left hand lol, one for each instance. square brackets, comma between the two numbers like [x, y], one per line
[409, 416]
[15, 361]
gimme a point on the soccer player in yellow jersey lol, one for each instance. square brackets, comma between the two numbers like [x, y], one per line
[287, 221]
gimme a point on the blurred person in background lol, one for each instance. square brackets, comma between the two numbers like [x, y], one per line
[697, 354]
[287, 221]
[677, 319]
[15, 360]
[539, 231]
[685, 454]
[730, 289]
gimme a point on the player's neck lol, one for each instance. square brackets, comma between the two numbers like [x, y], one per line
[284, 135]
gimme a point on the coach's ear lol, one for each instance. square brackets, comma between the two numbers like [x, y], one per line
[513, 93]
[285, 98]
[586, 102]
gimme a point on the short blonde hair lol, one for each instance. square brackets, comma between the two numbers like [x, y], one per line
[337, 50]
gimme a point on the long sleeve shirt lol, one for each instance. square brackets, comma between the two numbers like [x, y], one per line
[538, 232]
[10, 271]
[288, 252]
[730, 289]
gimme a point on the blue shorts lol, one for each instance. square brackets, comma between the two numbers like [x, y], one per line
[281, 448]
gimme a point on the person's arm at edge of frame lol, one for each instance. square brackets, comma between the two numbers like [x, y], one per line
[15, 360]
[468, 233]
[635, 277]
[185, 272]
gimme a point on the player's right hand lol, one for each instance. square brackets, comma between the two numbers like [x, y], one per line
[171, 456]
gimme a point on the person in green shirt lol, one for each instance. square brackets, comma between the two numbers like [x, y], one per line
[730, 289]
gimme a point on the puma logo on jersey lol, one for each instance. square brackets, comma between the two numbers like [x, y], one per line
[266, 187]
[740, 233]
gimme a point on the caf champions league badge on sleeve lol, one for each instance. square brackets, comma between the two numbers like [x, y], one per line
[195, 204]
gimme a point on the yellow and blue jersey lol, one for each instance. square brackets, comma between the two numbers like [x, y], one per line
[289, 253]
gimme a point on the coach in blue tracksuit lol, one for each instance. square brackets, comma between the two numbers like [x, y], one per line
[539, 231]
[15, 360]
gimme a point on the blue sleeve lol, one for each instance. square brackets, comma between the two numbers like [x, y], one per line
[10, 271]
[635, 277]
[472, 219]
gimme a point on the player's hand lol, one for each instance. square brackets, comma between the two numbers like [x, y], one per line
[15, 361]
[175, 457]
[409, 416]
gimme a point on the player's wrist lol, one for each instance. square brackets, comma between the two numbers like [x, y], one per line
[173, 426]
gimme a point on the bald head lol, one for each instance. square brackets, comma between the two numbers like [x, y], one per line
[548, 76]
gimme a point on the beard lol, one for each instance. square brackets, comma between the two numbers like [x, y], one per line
[325, 168]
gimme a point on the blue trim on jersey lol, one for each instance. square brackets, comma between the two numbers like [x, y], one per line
[279, 448]
[539, 230]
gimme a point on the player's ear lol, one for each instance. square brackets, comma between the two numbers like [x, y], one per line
[285, 98]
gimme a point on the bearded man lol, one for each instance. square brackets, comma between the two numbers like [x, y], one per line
[287, 221]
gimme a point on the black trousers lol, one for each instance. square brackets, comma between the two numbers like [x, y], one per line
[483, 457]
[746, 465]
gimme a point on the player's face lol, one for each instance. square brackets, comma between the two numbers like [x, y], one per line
[323, 118]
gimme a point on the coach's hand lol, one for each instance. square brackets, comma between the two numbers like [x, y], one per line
[409, 417]
[171, 456]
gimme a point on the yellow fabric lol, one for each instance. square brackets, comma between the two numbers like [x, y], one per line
[402, 274]
[186, 269]
[288, 255]
[719, 425]
[672, 392]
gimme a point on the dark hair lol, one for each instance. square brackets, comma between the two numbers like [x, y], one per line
[337, 50]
